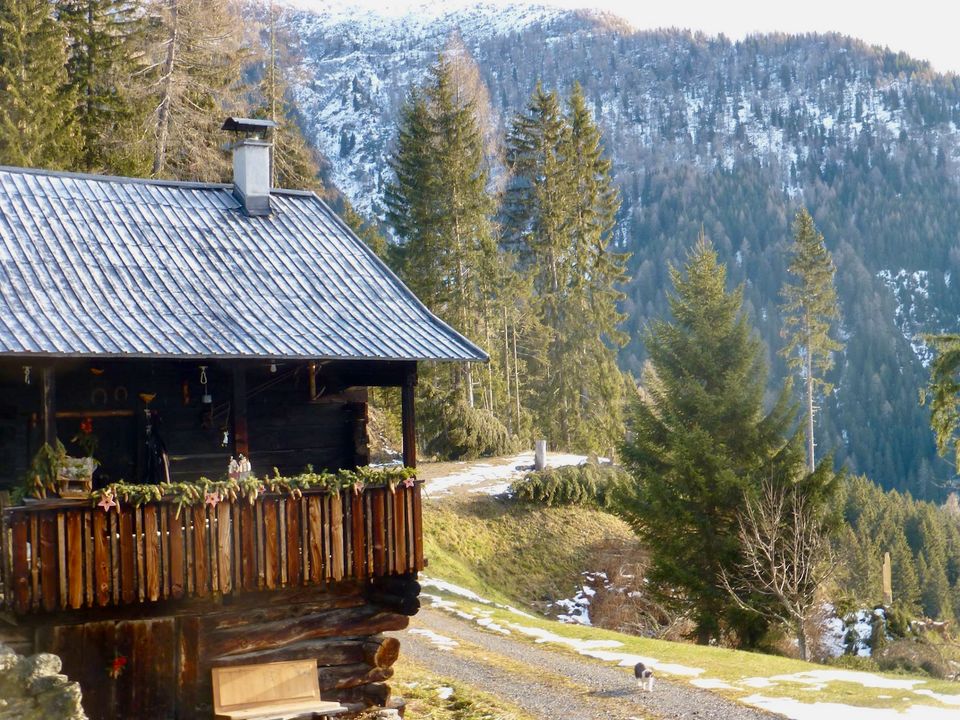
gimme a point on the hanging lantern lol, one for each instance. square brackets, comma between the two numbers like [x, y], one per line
[206, 398]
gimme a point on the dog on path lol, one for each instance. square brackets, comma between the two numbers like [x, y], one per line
[644, 676]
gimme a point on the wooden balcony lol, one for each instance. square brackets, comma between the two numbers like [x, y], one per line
[65, 556]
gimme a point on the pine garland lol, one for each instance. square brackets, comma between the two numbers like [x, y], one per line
[188, 494]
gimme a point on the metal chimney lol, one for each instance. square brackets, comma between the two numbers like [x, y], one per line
[251, 163]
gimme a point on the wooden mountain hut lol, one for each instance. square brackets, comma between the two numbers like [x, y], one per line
[167, 329]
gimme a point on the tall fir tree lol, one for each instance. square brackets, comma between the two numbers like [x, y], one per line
[103, 36]
[702, 442]
[36, 102]
[441, 211]
[809, 309]
[559, 213]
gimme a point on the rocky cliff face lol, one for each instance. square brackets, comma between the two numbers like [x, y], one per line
[32, 688]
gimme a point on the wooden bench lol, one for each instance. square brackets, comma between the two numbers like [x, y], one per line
[271, 691]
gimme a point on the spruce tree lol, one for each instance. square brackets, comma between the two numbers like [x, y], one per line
[559, 213]
[810, 307]
[102, 39]
[702, 442]
[36, 103]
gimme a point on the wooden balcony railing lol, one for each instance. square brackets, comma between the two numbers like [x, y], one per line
[65, 555]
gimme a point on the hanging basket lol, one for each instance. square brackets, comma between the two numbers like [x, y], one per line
[76, 477]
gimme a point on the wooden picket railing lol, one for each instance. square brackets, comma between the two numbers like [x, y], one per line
[64, 555]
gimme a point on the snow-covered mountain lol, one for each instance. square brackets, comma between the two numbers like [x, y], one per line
[702, 130]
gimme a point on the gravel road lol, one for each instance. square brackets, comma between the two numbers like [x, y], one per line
[557, 685]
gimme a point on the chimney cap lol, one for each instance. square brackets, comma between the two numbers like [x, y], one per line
[247, 125]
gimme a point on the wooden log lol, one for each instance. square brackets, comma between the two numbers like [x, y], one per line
[340, 677]
[87, 558]
[315, 522]
[189, 677]
[151, 553]
[49, 584]
[336, 535]
[48, 407]
[225, 548]
[175, 524]
[74, 560]
[292, 541]
[21, 582]
[128, 542]
[328, 652]
[200, 555]
[101, 561]
[333, 623]
[381, 651]
[371, 694]
[404, 604]
[398, 585]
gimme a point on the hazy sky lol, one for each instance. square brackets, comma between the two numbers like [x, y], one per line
[926, 29]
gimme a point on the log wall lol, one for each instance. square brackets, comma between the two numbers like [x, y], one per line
[167, 659]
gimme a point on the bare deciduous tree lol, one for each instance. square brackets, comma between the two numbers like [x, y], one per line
[787, 557]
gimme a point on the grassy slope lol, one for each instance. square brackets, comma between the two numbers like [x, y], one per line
[512, 554]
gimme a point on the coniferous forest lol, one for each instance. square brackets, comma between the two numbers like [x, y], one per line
[546, 199]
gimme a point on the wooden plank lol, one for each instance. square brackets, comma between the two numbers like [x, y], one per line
[128, 553]
[188, 667]
[236, 542]
[101, 559]
[176, 567]
[62, 559]
[336, 535]
[200, 551]
[34, 533]
[151, 554]
[400, 530]
[211, 543]
[138, 546]
[88, 588]
[389, 533]
[418, 527]
[271, 554]
[261, 552]
[368, 528]
[225, 548]
[357, 536]
[113, 526]
[190, 587]
[21, 581]
[248, 561]
[293, 540]
[315, 523]
[49, 583]
[325, 527]
[74, 522]
[164, 550]
[282, 541]
[379, 532]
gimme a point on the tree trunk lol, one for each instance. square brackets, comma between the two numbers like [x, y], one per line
[163, 111]
[802, 641]
[810, 446]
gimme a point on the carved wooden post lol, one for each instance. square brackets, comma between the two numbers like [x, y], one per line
[241, 443]
[48, 407]
[887, 581]
[408, 419]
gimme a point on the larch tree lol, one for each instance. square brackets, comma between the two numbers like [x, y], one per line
[702, 443]
[36, 101]
[193, 82]
[810, 308]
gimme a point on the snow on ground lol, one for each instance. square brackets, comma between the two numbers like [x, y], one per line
[813, 680]
[441, 641]
[494, 478]
[796, 710]
[444, 693]
[576, 610]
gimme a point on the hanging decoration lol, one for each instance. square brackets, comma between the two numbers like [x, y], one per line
[107, 501]
[26, 374]
[212, 498]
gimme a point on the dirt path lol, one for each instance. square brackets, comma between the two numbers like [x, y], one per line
[555, 685]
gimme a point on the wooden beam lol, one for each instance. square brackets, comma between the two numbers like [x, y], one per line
[408, 419]
[48, 407]
[241, 440]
